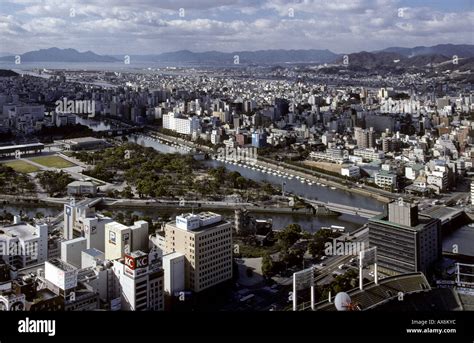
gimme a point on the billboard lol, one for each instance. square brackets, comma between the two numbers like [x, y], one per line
[112, 237]
[368, 257]
[136, 262]
[304, 278]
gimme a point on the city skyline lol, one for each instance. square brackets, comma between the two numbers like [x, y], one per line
[146, 27]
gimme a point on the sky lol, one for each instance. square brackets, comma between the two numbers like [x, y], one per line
[156, 26]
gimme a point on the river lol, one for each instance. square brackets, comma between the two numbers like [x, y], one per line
[309, 223]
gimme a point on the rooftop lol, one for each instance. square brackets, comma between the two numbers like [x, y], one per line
[61, 264]
[85, 140]
[383, 219]
[21, 230]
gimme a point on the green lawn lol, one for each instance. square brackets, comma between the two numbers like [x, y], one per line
[52, 161]
[22, 166]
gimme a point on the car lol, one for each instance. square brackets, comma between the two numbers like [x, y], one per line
[342, 266]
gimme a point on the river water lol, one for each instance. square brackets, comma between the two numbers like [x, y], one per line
[294, 186]
[309, 223]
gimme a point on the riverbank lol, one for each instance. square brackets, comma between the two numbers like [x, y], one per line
[313, 176]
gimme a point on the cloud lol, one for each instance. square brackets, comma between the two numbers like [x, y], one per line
[146, 26]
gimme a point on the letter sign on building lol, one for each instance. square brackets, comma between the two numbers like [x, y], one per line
[136, 263]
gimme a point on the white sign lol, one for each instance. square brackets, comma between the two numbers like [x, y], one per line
[368, 257]
[304, 278]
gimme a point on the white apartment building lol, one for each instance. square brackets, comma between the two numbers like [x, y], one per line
[438, 180]
[186, 125]
[206, 241]
[327, 156]
[369, 154]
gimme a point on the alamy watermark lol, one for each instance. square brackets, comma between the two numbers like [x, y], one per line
[343, 248]
[16, 249]
[248, 155]
[399, 106]
[76, 106]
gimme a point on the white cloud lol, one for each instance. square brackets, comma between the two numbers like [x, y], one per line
[146, 26]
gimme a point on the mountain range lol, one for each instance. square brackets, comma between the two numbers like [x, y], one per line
[59, 55]
[404, 57]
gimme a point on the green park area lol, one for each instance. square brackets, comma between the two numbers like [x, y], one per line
[52, 161]
[21, 166]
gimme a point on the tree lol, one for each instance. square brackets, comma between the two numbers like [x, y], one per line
[54, 182]
[289, 235]
[127, 192]
[313, 249]
[267, 265]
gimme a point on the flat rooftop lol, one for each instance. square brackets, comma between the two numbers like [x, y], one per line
[9, 148]
[84, 140]
[61, 264]
[383, 219]
[21, 230]
[442, 212]
[93, 252]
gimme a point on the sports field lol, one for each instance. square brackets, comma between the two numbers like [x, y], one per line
[22, 166]
[52, 161]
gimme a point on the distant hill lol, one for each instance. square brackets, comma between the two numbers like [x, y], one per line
[60, 55]
[7, 73]
[259, 57]
[397, 57]
[383, 60]
[460, 50]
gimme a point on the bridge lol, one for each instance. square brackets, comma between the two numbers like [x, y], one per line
[339, 208]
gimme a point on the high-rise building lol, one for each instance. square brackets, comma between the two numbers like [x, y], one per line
[406, 241]
[139, 279]
[121, 239]
[183, 125]
[206, 241]
[71, 250]
[173, 266]
[364, 138]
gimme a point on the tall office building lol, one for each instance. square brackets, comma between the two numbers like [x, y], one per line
[139, 279]
[121, 239]
[406, 241]
[206, 241]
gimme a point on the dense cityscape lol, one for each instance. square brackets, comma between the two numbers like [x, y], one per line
[237, 181]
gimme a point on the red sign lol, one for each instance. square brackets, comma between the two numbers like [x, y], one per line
[136, 262]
